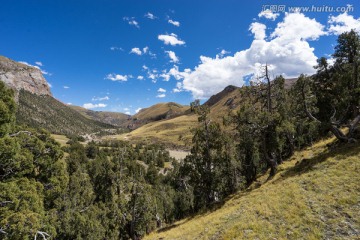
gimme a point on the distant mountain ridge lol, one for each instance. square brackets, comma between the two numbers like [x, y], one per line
[113, 118]
[157, 112]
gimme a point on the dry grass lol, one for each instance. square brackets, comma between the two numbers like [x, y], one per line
[160, 109]
[315, 195]
[174, 131]
[60, 139]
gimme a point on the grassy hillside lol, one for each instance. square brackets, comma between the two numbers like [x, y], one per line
[157, 112]
[315, 195]
[172, 132]
[48, 113]
[176, 131]
[113, 118]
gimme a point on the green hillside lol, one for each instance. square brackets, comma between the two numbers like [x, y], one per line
[313, 196]
[48, 113]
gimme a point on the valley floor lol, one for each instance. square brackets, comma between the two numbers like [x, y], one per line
[315, 195]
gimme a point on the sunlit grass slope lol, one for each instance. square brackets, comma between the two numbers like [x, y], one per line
[175, 131]
[315, 195]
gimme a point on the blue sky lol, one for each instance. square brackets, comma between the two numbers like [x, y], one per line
[126, 55]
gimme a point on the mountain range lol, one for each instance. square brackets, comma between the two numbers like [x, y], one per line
[167, 123]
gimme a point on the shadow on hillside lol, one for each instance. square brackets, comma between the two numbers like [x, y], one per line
[308, 164]
[212, 208]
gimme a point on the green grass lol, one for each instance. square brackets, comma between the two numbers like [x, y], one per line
[60, 139]
[315, 195]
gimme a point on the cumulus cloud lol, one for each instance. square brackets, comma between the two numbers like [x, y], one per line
[151, 16]
[171, 39]
[296, 25]
[138, 110]
[39, 64]
[145, 49]
[287, 51]
[175, 23]
[162, 95]
[66, 87]
[131, 21]
[268, 14]
[117, 77]
[161, 90]
[91, 105]
[172, 56]
[343, 23]
[258, 29]
[140, 77]
[136, 51]
[179, 87]
[100, 98]
[223, 53]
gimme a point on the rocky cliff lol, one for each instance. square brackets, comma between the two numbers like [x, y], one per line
[20, 76]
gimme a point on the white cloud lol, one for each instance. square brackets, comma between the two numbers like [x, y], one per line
[151, 16]
[37, 67]
[100, 98]
[145, 67]
[162, 95]
[145, 49]
[268, 14]
[69, 103]
[117, 77]
[223, 53]
[152, 55]
[297, 26]
[171, 39]
[172, 56]
[343, 23]
[175, 23]
[138, 110]
[128, 113]
[39, 64]
[178, 88]
[140, 77]
[136, 50]
[131, 21]
[152, 76]
[126, 109]
[287, 52]
[258, 29]
[166, 76]
[91, 105]
[49, 84]
[161, 90]
[66, 87]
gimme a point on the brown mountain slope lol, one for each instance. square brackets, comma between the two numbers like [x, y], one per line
[113, 118]
[157, 112]
[177, 131]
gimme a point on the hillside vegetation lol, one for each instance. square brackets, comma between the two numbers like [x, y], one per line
[112, 118]
[313, 196]
[175, 133]
[42, 111]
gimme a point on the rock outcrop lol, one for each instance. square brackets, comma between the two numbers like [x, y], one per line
[20, 76]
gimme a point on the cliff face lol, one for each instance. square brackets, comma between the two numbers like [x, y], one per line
[20, 76]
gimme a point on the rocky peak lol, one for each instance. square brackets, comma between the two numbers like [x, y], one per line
[20, 76]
